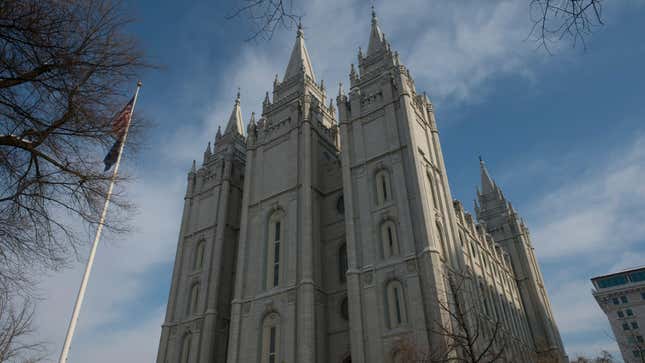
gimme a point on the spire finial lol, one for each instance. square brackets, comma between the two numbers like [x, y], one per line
[374, 19]
[300, 33]
[237, 98]
[481, 160]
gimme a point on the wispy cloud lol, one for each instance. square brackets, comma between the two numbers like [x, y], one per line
[597, 211]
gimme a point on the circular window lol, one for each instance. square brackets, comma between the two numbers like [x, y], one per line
[344, 312]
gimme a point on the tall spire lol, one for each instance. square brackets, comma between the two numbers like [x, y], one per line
[488, 185]
[299, 60]
[377, 39]
[235, 121]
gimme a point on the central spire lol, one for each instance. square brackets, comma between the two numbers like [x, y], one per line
[299, 60]
[377, 39]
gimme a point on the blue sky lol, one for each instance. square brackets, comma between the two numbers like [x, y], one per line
[563, 134]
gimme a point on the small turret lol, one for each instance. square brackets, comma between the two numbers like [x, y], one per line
[207, 152]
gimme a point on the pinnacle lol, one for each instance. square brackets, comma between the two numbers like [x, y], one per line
[235, 123]
[299, 60]
[488, 185]
[377, 39]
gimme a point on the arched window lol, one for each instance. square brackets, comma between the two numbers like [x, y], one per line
[383, 187]
[184, 356]
[193, 298]
[271, 339]
[433, 190]
[389, 239]
[198, 262]
[342, 262]
[274, 249]
[442, 240]
[395, 304]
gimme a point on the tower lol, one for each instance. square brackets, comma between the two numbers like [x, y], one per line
[508, 229]
[283, 286]
[399, 219]
[197, 316]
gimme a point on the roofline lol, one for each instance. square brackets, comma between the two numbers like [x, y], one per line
[632, 269]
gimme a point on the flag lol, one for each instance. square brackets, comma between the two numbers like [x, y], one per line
[119, 126]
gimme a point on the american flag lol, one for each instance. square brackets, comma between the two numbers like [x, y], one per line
[119, 126]
[121, 120]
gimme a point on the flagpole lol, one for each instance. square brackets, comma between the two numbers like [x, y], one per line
[90, 261]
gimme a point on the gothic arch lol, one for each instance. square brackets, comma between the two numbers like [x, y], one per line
[395, 303]
[382, 185]
[270, 328]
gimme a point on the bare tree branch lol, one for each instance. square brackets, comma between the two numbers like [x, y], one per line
[66, 68]
[556, 20]
[16, 343]
[266, 16]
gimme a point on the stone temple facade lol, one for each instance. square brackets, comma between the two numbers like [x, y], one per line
[328, 233]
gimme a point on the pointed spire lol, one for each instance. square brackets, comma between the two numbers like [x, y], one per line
[377, 39]
[219, 133]
[193, 169]
[235, 120]
[488, 186]
[299, 60]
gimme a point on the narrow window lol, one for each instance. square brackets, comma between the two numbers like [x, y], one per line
[276, 255]
[274, 251]
[383, 187]
[442, 241]
[629, 312]
[185, 349]
[389, 239]
[199, 256]
[621, 314]
[625, 326]
[433, 191]
[398, 306]
[270, 349]
[615, 301]
[634, 325]
[395, 304]
[272, 345]
[194, 298]
[623, 299]
[344, 309]
[342, 262]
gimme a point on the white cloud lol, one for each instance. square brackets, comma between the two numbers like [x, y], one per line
[595, 212]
